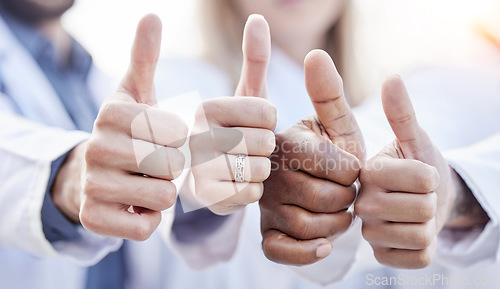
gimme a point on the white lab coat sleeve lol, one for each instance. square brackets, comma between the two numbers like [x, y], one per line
[27, 150]
[205, 248]
[211, 249]
[479, 167]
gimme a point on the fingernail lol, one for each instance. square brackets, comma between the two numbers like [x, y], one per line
[324, 250]
[255, 16]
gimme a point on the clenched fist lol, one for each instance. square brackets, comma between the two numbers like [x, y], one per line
[407, 189]
[314, 167]
[234, 136]
[132, 155]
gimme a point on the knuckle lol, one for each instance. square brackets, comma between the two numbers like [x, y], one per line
[426, 179]
[269, 114]
[176, 161]
[436, 178]
[339, 198]
[423, 237]
[95, 151]
[352, 165]
[88, 219]
[223, 210]
[304, 228]
[423, 182]
[342, 224]
[368, 233]
[422, 259]
[200, 144]
[202, 193]
[268, 142]
[91, 187]
[263, 169]
[366, 174]
[318, 199]
[116, 112]
[381, 255]
[426, 209]
[167, 195]
[271, 247]
[102, 150]
[200, 113]
[183, 129]
[142, 233]
[324, 199]
[144, 230]
[107, 114]
[180, 131]
[209, 108]
[364, 208]
[199, 176]
[267, 246]
[254, 192]
[349, 195]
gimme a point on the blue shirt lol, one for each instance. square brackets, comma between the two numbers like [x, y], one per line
[69, 80]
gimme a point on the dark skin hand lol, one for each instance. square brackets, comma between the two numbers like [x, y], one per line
[409, 191]
[313, 171]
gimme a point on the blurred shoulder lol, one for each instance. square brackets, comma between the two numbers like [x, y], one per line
[175, 76]
[455, 81]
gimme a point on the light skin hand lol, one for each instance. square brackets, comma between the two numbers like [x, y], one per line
[407, 189]
[247, 121]
[66, 189]
[120, 196]
[314, 167]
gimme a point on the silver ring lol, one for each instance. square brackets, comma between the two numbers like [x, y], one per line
[239, 171]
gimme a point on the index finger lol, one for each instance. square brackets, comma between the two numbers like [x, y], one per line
[249, 112]
[315, 155]
[388, 173]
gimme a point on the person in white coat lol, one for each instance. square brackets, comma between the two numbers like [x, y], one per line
[45, 135]
[29, 126]
[286, 78]
[50, 96]
[32, 117]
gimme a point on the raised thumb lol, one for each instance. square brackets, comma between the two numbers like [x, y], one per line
[256, 55]
[326, 91]
[139, 80]
[401, 116]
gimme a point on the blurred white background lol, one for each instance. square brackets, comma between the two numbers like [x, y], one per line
[107, 28]
[392, 34]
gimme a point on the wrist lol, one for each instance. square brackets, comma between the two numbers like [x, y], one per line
[67, 185]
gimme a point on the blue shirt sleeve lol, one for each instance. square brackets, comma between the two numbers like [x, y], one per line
[195, 226]
[2, 85]
[56, 226]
